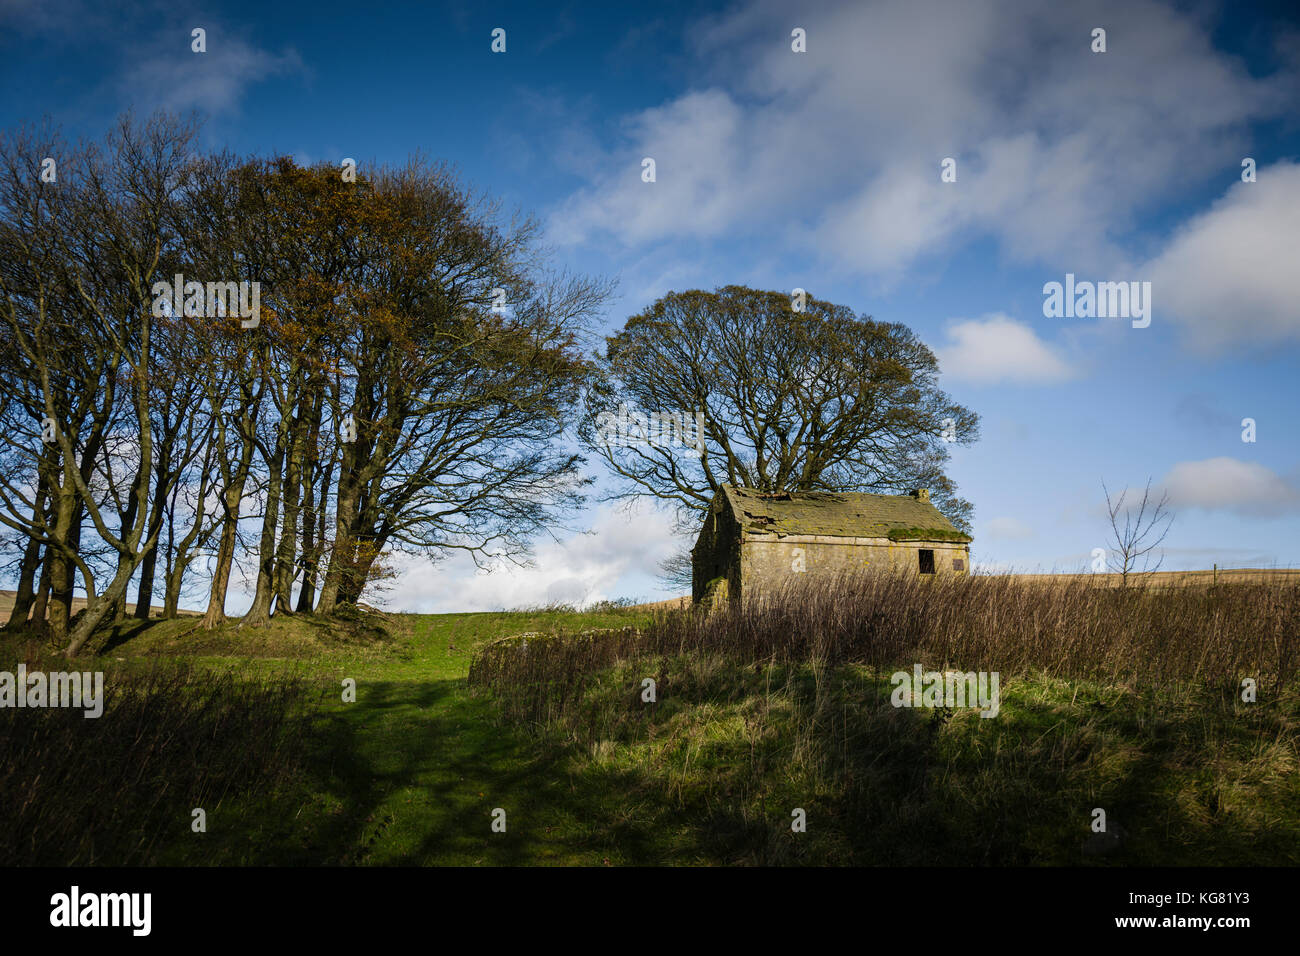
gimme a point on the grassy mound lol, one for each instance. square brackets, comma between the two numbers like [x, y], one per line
[1125, 701]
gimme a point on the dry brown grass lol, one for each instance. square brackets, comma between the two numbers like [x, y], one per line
[1124, 698]
[78, 792]
[1160, 579]
[672, 604]
[1063, 626]
[1167, 579]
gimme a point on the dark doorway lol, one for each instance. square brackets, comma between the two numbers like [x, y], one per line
[927, 560]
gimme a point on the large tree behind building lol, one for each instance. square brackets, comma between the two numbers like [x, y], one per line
[819, 399]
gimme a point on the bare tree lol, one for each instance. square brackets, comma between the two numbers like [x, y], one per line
[1136, 533]
[676, 571]
[814, 399]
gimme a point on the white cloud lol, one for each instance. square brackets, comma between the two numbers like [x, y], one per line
[579, 569]
[837, 150]
[696, 142]
[167, 74]
[1227, 484]
[996, 349]
[153, 40]
[1229, 275]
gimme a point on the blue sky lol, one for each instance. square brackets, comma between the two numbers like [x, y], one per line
[821, 170]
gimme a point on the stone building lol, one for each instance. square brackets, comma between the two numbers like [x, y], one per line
[753, 541]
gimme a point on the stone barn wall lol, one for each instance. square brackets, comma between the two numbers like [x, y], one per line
[716, 552]
[766, 563]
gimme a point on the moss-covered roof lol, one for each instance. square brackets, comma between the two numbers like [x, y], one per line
[845, 514]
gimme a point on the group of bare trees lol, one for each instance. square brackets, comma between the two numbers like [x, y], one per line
[404, 384]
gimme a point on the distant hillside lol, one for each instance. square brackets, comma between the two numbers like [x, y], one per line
[7, 606]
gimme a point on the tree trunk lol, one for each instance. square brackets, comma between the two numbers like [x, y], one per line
[354, 582]
[285, 572]
[118, 610]
[98, 610]
[172, 598]
[260, 612]
[182, 554]
[231, 497]
[307, 593]
[41, 605]
[149, 566]
[216, 612]
[63, 573]
[344, 520]
[62, 569]
[26, 593]
[313, 537]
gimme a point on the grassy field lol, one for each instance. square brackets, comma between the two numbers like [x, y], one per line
[1164, 579]
[250, 725]
[409, 773]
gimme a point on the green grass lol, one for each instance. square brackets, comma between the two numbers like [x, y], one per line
[1185, 776]
[709, 774]
[410, 773]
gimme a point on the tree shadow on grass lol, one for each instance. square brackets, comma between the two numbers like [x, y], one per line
[413, 772]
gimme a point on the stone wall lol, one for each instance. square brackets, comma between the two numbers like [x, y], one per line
[717, 552]
[772, 561]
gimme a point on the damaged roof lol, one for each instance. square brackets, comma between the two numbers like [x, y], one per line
[851, 514]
